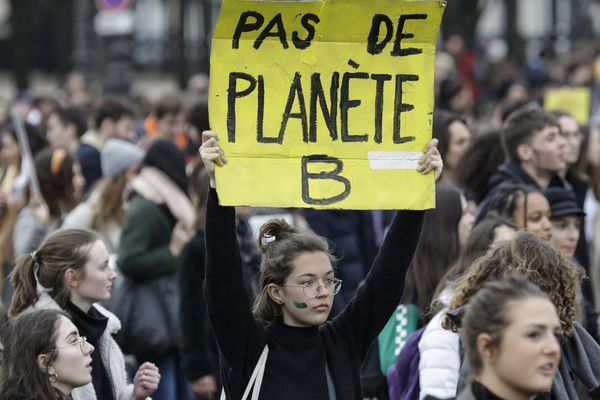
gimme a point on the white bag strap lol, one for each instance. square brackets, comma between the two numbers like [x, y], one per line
[256, 378]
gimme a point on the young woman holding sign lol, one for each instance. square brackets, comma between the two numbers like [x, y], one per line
[287, 342]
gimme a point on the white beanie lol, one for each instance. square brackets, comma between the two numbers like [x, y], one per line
[117, 155]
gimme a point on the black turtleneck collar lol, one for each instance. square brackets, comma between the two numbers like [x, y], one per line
[482, 393]
[293, 337]
[91, 324]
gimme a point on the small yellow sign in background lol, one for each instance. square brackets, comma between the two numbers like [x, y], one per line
[574, 100]
[324, 104]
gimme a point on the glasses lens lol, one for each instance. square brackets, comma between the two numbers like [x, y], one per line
[337, 287]
[332, 288]
[311, 291]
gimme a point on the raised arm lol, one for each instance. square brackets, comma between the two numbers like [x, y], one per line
[376, 299]
[229, 308]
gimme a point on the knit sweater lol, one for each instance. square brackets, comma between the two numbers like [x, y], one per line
[295, 368]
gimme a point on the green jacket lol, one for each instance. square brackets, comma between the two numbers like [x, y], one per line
[144, 248]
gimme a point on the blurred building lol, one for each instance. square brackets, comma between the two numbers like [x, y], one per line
[111, 41]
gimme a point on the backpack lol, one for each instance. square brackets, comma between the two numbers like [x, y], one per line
[403, 375]
[403, 322]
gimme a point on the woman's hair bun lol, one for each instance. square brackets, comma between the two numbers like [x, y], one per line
[272, 231]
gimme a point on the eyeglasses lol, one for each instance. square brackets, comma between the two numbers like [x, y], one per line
[312, 288]
[82, 341]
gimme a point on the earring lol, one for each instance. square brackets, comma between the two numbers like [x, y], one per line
[53, 377]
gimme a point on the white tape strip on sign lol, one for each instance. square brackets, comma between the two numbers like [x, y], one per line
[394, 159]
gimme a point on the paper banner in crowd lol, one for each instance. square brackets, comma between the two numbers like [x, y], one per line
[324, 104]
[574, 100]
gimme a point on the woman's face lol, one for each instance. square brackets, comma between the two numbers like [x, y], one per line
[565, 234]
[526, 360]
[298, 309]
[460, 138]
[11, 155]
[78, 182]
[73, 362]
[537, 220]
[95, 283]
[569, 129]
[466, 221]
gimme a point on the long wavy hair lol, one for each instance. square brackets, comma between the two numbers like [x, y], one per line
[25, 337]
[536, 260]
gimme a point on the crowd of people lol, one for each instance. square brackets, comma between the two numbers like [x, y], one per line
[124, 278]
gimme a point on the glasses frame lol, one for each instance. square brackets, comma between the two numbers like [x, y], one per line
[82, 341]
[337, 286]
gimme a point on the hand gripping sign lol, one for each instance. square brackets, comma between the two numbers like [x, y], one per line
[324, 104]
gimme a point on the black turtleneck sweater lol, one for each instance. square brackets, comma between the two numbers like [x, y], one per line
[92, 325]
[482, 393]
[295, 368]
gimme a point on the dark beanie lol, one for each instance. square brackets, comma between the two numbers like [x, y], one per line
[562, 203]
[164, 155]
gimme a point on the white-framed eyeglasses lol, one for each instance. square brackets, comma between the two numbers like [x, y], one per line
[81, 341]
[312, 288]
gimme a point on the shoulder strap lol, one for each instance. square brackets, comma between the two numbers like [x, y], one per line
[256, 378]
[330, 385]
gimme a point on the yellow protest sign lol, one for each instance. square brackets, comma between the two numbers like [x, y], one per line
[324, 104]
[574, 100]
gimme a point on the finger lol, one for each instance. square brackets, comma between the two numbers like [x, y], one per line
[433, 151]
[214, 151]
[206, 135]
[430, 163]
[210, 157]
[432, 143]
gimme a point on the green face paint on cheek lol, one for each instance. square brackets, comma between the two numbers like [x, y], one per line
[301, 306]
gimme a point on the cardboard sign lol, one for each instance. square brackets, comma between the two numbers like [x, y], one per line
[574, 100]
[324, 104]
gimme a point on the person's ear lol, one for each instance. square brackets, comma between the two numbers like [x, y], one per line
[42, 362]
[274, 292]
[71, 278]
[525, 152]
[486, 348]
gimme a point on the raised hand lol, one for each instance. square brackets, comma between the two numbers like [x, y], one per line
[212, 154]
[431, 160]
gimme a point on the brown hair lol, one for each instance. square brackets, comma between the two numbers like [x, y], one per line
[24, 338]
[56, 181]
[488, 312]
[168, 105]
[437, 251]
[198, 184]
[110, 202]
[534, 259]
[63, 249]
[280, 244]
[521, 126]
[478, 243]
